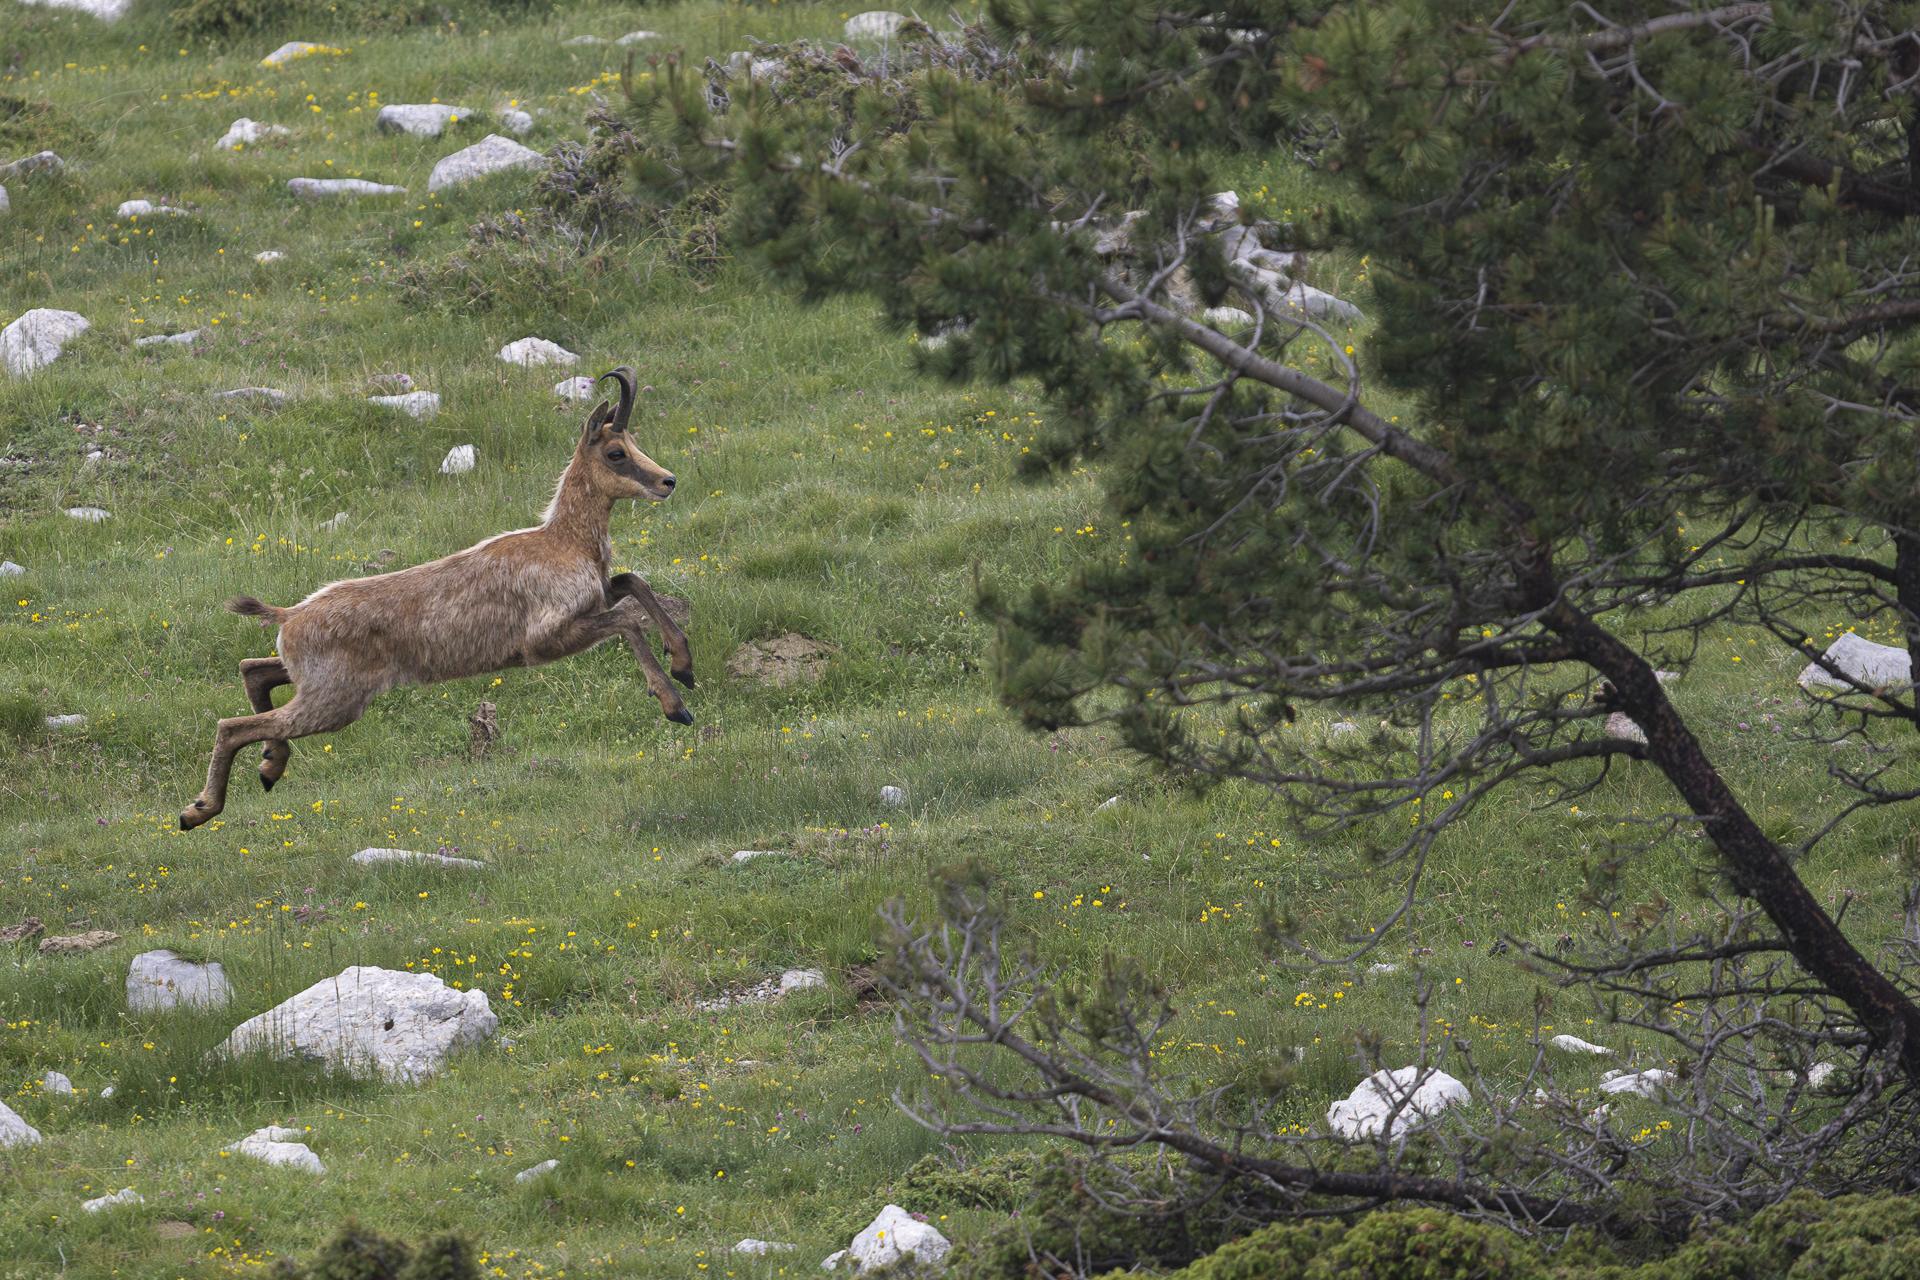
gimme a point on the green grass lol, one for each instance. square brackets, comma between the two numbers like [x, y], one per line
[824, 490]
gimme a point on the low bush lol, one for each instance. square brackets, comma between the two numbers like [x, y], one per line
[357, 1253]
[531, 260]
[220, 19]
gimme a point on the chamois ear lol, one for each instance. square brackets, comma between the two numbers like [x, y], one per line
[624, 377]
[596, 420]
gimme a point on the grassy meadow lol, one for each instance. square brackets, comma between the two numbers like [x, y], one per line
[824, 490]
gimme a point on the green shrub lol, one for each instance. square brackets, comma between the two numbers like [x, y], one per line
[357, 1253]
[221, 19]
[1804, 1237]
[20, 716]
[531, 261]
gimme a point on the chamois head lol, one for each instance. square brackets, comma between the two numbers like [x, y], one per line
[614, 465]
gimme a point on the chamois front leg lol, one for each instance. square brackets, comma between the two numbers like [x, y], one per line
[623, 585]
[300, 717]
[582, 633]
[262, 676]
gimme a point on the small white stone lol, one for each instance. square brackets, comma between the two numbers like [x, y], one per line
[875, 24]
[416, 404]
[459, 460]
[1622, 727]
[533, 351]
[892, 797]
[8, 569]
[125, 1195]
[528, 1175]
[801, 980]
[162, 980]
[106, 1092]
[637, 37]
[421, 119]
[579, 41]
[1414, 1093]
[514, 120]
[574, 388]
[269, 394]
[1666, 677]
[90, 515]
[1106, 804]
[244, 131]
[1227, 318]
[280, 1145]
[1819, 1074]
[1341, 728]
[756, 1248]
[1647, 1084]
[748, 855]
[492, 154]
[39, 162]
[372, 857]
[326, 188]
[104, 10]
[148, 209]
[1574, 1044]
[339, 518]
[37, 338]
[168, 339]
[55, 1083]
[268, 255]
[833, 1260]
[66, 722]
[291, 51]
[14, 1131]
[4, 203]
[1877, 666]
[1382, 969]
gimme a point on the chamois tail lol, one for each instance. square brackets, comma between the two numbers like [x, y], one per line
[247, 605]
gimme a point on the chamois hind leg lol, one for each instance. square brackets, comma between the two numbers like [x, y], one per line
[632, 584]
[300, 717]
[262, 677]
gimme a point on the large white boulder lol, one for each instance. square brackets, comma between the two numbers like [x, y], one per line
[875, 24]
[243, 132]
[1878, 666]
[371, 857]
[533, 351]
[892, 1238]
[492, 154]
[148, 209]
[163, 980]
[401, 1026]
[333, 188]
[280, 1145]
[421, 119]
[1416, 1093]
[37, 338]
[14, 1131]
[104, 10]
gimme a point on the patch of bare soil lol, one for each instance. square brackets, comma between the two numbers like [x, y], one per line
[781, 660]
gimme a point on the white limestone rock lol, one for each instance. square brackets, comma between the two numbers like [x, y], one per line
[895, 1238]
[8, 569]
[515, 121]
[492, 154]
[528, 1175]
[339, 518]
[1317, 304]
[760, 1248]
[401, 1026]
[1416, 1093]
[575, 42]
[55, 1083]
[292, 51]
[459, 460]
[168, 339]
[104, 10]
[764, 992]
[280, 1145]
[40, 162]
[332, 188]
[244, 132]
[1624, 728]
[415, 404]
[37, 338]
[801, 980]
[1574, 1044]
[374, 857]
[4, 204]
[268, 255]
[1106, 804]
[89, 515]
[533, 351]
[1227, 318]
[106, 1093]
[147, 209]
[14, 1131]
[163, 980]
[67, 722]
[125, 1195]
[574, 388]
[1878, 666]
[1646, 1084]
[875, 24]
[271, 395]
[893, 797]
[421, 119]
[749, 855]
[1820, 1076]
[1381, 969]
[638, 37]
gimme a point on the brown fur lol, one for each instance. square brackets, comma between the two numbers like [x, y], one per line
[518, 599]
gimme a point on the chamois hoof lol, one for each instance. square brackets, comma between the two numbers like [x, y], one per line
[685, 677]
[266, 783]
[682, 716]
[194, 814]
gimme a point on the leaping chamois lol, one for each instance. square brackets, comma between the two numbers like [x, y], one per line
[517, 599]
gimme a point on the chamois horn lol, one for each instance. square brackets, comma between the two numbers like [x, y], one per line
[623, 376]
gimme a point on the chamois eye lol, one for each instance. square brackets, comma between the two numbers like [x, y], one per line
[618, 455]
